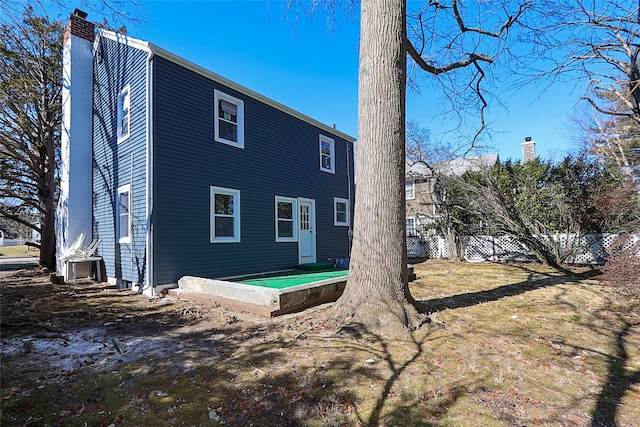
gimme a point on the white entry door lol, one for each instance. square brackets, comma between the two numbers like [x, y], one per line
[306, 231]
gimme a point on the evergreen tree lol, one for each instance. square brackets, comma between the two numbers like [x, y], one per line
[30, 114]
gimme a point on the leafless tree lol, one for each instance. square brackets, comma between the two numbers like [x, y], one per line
[505, 211]
[613, 139]
[604, 41]
[454, 48]
[116, 13]
[377, 294]
[596, 45]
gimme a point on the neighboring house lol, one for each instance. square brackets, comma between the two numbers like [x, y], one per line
[420, 180]
[420, 204]
[179, 171]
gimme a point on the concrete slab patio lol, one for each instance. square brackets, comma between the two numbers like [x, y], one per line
[261, 300]
[269, 295]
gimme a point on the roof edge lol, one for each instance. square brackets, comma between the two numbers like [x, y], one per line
[157, 50]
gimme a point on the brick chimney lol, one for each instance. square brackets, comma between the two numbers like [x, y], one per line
[73, 214]
[79, 26]
[528, 150]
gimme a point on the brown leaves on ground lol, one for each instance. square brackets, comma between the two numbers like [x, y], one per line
[508, 345]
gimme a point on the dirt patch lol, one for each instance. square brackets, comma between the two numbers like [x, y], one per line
[508, 345]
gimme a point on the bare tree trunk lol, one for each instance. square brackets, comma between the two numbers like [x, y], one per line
[47, 236]
[454, 244]
[377, 297]
[47, 205]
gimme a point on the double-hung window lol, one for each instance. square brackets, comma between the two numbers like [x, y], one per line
[286, 219]
[124, 114]
[340, 212]
[124, 214]
[411, 226]
[409, 190]
[225, 215]
[228, 119]
[327, 154]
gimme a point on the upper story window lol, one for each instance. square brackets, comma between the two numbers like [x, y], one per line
[340, 211]
[410, 190]
[225, 215]
[124, 114]
[229, 119]
[286, 215]
[124, 214]
[327, 154]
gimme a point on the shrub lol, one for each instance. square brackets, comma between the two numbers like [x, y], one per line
[622, 269]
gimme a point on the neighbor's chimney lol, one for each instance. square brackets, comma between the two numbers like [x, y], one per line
[528, 150]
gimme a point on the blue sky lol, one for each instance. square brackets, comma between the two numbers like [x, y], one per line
[314, 69]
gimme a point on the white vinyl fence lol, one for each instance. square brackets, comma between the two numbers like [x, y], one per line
[12, 242]
[577, 248]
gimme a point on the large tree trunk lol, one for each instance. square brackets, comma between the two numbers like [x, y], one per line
[454, 244]
[377, 297]
[47, 237]
[47, 218]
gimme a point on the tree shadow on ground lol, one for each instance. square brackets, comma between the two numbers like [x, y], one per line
[619, 380]
[240, 373]
[536, 280]
[382, 411]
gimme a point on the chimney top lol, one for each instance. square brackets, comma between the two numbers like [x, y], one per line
[528, 150]
[80, 13]
[79, 26]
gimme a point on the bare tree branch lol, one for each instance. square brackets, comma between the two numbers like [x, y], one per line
[473, 58]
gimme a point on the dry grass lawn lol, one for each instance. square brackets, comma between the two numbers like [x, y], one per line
[18, 251]
[507, 345]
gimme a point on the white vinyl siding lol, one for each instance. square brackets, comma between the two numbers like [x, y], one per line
[228, 119]
[225, 215]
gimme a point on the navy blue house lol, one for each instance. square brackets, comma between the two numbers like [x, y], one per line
[190, 173]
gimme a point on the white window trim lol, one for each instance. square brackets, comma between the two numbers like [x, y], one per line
[337, 223]
[236, 215]
[121, 190]
[294, 218]
[411, 218]
[413, 189]
[332, 143]
[217, 95]
[124, 93]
